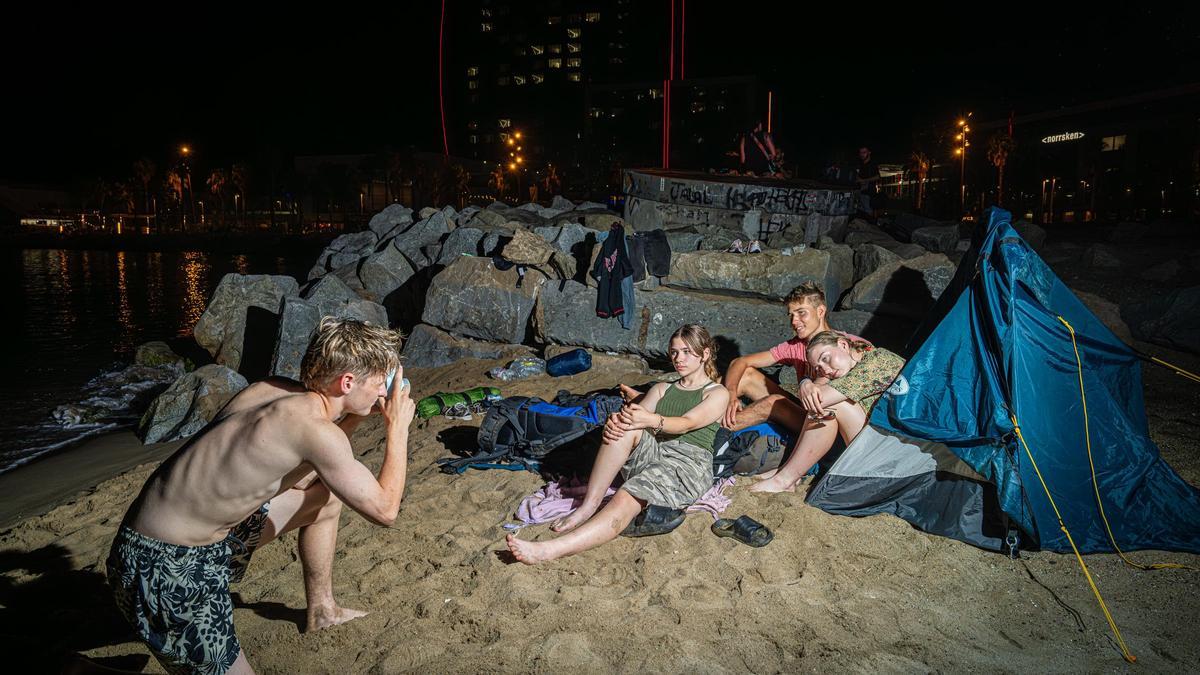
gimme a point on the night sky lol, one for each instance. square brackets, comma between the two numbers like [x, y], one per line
[90, 91]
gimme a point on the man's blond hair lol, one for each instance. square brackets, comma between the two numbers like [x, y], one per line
[809, 291]
[349, 346]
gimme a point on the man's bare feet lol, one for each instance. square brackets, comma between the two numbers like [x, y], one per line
[574, 519]
[774, 484]
[320, 617]
[529, 552]
[766, 474]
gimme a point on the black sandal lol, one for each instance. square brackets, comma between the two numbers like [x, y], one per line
[654, 520]
[745, 529]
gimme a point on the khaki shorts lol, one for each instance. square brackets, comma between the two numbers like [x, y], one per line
[667, 472]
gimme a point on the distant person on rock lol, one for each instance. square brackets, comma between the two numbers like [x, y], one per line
[857, 374]
[868, 177]
[807, 314]
[661, 442]
[757, 153]
[276, 458]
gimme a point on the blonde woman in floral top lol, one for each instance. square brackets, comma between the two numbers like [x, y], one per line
[858, 375]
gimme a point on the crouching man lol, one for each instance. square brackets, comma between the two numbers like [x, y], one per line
[276, 458]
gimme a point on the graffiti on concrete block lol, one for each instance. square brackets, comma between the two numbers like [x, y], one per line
[744, 197]
[690, 193]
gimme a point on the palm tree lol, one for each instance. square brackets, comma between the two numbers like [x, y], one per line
[144, 170]
[174, 187]
[218, 184]
[1000, 146]
[920, 164]
[240, 178]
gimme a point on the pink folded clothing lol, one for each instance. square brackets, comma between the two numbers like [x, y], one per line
[714, 502]
[556, 500]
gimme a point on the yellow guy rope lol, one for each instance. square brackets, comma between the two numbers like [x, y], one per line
[1095, 486]
[1178, 371]
[1111, 623]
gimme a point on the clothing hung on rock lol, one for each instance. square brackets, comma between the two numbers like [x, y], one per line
[611, 270]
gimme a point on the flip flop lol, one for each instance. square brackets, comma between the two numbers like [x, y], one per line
[745, 529]
[654, 520]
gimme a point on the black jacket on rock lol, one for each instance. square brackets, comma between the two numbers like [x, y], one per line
[612, 265]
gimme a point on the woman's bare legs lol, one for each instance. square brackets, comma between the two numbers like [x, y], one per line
[814, 442]
[602, 528]
[609, 460]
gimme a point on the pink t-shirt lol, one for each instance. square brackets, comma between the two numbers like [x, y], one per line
[794, 353]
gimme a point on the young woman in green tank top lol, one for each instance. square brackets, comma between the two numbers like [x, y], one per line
[660, 441]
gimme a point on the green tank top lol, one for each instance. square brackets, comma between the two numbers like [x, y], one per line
[676, 402]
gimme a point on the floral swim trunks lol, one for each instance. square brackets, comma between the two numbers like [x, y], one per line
[177, 599]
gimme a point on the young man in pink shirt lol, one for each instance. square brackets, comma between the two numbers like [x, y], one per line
[807, 313]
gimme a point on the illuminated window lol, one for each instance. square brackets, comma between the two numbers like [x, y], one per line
[574, 47]
[502, 81]
[472, 71]
[485, 27]
[554, 63]
[518, 79]
[474, 139]
[655, 93]
[592, 17]
[537, 79]
[537, 50]
[473, 125]
[504, 123]
[574, 77]
[552, 20]
[616, 60]
[574, 63]
[555, 49]
[519, 51]
[1109, 143]
[574, 32]
[485, 12]
[472, 84]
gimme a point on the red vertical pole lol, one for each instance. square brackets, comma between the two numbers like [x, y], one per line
[441, 95]
[682, 38]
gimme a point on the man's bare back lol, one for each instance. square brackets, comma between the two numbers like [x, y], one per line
[251, 453]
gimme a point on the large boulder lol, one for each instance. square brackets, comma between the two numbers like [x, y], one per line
[561, 203]
[1163, 273]
[1035, 235]
[905, 288]
[905, 251]
[769, 274]
[567, 316]
[870, 257]
[189, 403]
[413, 241]
[889, 332]
[393, 218]
[429, 347]
[462, 241]
[299, 317]
[242, 318]
[156, 354]
[1172, 319]
[1109, 314]
[385, 271]
[938, 238]
[1101, 256]
[473, 298]
[488, 219]
[349, 248]
[682, 242]
[567, 236]
[904, 224]
[841, 257]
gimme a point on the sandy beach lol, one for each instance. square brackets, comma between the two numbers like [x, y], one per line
[830, 593]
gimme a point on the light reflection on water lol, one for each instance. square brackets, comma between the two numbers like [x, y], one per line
[73, 314]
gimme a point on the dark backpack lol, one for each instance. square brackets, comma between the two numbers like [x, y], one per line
[527, 429]
[751, 451]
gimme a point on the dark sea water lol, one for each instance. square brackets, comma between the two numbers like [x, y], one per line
[71, 322]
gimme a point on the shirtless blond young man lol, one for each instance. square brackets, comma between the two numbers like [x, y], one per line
[276, 458]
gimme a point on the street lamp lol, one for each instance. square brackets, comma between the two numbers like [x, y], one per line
[963, 142]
